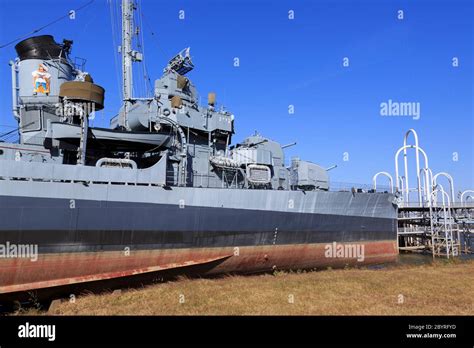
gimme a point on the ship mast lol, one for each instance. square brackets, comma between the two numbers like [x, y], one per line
[128, 57]
[127, 29]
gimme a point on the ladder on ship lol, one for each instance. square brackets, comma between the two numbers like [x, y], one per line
[444, 232]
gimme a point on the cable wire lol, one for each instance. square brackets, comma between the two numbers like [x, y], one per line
[46, 25]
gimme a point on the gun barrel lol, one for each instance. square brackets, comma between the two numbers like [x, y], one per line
[288, 145]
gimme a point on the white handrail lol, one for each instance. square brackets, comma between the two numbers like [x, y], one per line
[451, 182]
[428, 179]
[407, 188]
[447, 228]
[405, 160]
[462, 195]
[374, 179]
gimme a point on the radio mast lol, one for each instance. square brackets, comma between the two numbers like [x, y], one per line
[128, 57]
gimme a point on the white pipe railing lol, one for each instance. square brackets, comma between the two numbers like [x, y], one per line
[447, 226]
[451, 183]
[402, 184]
[390, 179]
[405, 160]
[407, 188]
[427, 185]
[465, 192]
[426, 181]
[120, 161]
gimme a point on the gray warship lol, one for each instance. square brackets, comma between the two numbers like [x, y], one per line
[163, 188]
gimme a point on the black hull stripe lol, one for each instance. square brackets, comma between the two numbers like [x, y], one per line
[87, 241]
[56, 228]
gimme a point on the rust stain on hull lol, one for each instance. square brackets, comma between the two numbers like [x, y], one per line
[52, 270]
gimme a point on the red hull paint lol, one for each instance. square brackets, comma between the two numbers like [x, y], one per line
[51, 270]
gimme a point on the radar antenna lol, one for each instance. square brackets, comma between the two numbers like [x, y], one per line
[181, 63]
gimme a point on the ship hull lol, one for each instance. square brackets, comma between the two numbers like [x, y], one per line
[88, 233]
[54, 270]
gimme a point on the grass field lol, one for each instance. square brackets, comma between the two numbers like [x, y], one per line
[442, 288]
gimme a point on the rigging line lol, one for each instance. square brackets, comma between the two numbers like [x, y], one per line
[144, 20]
[17, 129]
[145, 68]
[145, 86]
[141, 45]
[115, 46]
[91, 19]
[47, 25]
[10, 137]
[163, 50]
[141, 82]
[118, 39]
[135, 68]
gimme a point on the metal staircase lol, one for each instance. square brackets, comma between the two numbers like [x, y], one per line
[435, 222]
[444, 232]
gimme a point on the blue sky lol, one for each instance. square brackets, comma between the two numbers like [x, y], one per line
[296, 62]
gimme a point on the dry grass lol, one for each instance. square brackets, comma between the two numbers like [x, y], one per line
[441, 289]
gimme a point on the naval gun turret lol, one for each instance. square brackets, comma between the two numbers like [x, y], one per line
[262, 164]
